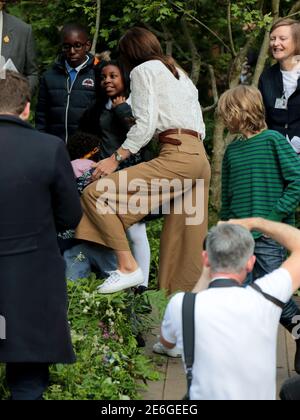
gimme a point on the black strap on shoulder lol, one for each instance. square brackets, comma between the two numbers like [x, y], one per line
[188, 333]
[222, 283]
[272, 299]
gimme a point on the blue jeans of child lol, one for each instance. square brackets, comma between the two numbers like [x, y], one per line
[269, 257]
[86, 257]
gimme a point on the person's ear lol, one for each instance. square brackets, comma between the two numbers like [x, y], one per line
[250, 264]
[26, 113]
[206, 262]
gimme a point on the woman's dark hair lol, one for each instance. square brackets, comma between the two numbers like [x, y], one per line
[81, 144]
[139, 45]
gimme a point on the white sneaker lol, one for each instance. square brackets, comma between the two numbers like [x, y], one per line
[159, 348]
[118, 281]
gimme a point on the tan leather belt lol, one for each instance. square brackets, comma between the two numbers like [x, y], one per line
[164, 136]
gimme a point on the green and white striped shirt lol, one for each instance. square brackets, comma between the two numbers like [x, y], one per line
[261, 178]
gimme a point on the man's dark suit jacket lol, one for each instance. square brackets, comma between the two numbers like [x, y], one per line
[38, 197]
[18, 44]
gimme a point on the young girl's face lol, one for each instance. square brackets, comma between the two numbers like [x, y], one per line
[112, 81]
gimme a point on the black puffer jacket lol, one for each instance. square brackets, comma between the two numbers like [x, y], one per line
[286, 121]
[60, 105]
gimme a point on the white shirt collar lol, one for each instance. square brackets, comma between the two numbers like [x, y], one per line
[69, 68]
[108, 104]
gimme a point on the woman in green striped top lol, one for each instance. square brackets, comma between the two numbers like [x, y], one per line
[260, 178]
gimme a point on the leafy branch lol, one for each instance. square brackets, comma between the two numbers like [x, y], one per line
[185, 12]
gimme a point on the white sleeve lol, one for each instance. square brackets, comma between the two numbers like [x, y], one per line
[278, 284]
[200, 122]
[145, 109]
[172, 322]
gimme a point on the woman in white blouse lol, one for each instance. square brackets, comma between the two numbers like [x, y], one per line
[164, 102]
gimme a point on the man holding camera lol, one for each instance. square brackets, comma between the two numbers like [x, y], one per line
[236, 326]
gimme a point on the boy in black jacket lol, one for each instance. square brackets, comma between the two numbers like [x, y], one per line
[69, 87]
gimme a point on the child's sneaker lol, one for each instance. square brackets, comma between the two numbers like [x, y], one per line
[159, 348]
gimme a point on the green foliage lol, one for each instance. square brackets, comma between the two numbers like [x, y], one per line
[148, 10]
[109, 364]
[153, 231]
[103, 328]
[48, 17]
[250, 16]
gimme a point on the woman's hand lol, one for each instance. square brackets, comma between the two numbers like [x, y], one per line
[104, 167]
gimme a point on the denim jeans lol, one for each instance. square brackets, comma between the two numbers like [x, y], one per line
[86, 257]
[269, 257]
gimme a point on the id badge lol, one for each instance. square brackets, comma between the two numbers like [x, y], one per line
[281, 103]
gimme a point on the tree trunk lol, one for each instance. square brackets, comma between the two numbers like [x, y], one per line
[196, 59]
[96, 34]
[216, 164]
[168, 39]
[263, 55]
[262, 58]
[219, 143]
[295, 8]
[235, 73]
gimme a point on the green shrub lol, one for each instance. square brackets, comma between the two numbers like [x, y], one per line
[103, 331]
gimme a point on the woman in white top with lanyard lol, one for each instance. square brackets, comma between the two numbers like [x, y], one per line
[164, 102]
[280, 84]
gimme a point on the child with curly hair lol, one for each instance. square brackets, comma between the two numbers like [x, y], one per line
[83, 257]
[260, 178]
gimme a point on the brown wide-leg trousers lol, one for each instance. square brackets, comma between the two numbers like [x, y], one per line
[181, 243]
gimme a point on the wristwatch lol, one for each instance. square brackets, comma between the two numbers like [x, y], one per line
[118, 157]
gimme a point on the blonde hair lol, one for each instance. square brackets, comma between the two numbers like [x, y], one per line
[242, 110]
[295, 27]
[104, 55]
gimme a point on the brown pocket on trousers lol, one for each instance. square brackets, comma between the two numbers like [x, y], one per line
[191, 148]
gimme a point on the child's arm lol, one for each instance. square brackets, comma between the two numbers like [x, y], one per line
[289, 164]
